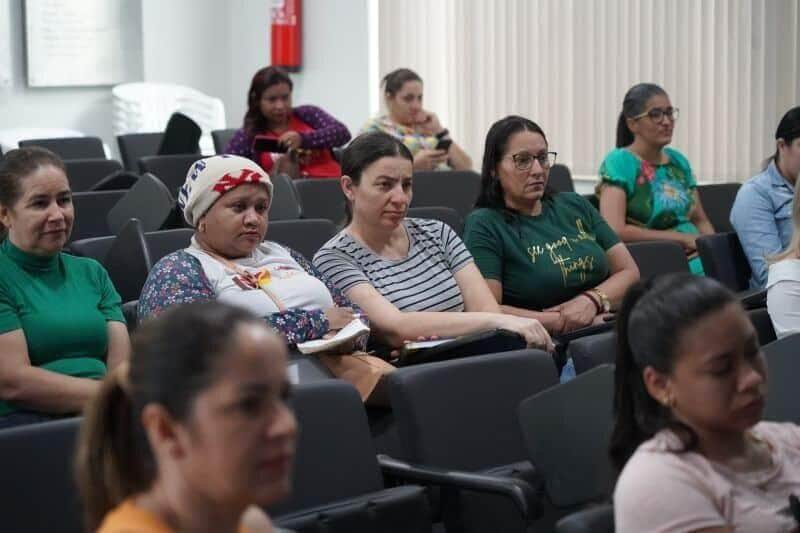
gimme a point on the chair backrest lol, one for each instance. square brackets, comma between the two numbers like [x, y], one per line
[321, 198]
[149, 200]
[305, 236]
[159, 244]
[221, 139]
[724, 260]
[285, 201]
[91, 213]
[452, 188]
[128, 261]
[38, 491]
[783, 367]
[448, 215]
[658, 257]
[83, 174]
[134, 146]
[70, 147]
[170, 169]
[763, 324]
[592, 350]
[462, 413]
[181, 136]
[717, 200]
[567, 430]
[334, 458]
[597, 519]
[560, 178]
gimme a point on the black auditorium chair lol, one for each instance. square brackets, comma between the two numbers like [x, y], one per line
[763, 325]
[560, 178]
[451, 188]
[70, 147]
[448, 215]
[149, 200]
[592, 350]
[567, 430]
[159, 243]
[170, 169]
[128, 261]
[783, 367]
[84, 174]
[221, 139]
[305, 236]
[38, 492]
[337, 485]
[134, 146]
[91, 213]
[285, 199]
[461, 415]
[321, 198]
[181, 136]
[717, 200]
[658, 257]
[724, 260]
[597, 519]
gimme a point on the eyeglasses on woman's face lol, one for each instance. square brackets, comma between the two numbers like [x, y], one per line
[524, 160]
[657, 114]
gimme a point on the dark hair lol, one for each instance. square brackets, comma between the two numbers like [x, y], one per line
[491, 193]
[254, 120]
[365, 150]
[18, 164]
[634, 104]
[174, 358]
[653, 315]
[788, 130]
[394, 81]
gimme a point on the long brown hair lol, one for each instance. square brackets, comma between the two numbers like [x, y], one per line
[175, 357]
[254, 120]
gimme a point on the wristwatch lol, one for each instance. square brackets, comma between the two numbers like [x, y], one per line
[602, 298]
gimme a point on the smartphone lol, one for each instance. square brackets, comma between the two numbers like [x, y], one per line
[444, 144]
[268, 144]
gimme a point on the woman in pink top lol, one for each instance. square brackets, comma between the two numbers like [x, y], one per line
[690, 389]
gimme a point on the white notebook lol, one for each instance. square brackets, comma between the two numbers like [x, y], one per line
[350, 332]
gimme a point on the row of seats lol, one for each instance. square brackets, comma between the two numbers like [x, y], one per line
[492, 458]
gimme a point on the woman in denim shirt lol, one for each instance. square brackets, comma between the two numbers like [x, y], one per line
[762, 212]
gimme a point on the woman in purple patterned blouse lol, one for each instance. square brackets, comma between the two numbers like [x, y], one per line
[306, 133]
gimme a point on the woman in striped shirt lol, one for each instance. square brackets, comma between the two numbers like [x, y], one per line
[403, 272]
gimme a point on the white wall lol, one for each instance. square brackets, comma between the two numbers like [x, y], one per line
[215, 47]
[87, 109]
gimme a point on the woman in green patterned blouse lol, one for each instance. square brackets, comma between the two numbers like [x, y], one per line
[648, 191]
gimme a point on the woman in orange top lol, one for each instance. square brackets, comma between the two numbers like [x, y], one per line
[195, 434]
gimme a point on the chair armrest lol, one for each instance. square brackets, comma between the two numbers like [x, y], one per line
[518, 491]
[753, 298]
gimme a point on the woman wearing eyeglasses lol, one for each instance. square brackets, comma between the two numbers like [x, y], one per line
[647, 190]
[544, 255]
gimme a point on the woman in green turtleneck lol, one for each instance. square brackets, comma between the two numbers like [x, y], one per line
[61, 324]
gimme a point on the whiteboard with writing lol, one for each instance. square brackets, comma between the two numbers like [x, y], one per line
[74, 42]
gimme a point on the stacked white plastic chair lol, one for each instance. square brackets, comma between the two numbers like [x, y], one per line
[146, 107]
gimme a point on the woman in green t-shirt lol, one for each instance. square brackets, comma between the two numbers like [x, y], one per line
[61, 323]
[545, 256]
[647, 190]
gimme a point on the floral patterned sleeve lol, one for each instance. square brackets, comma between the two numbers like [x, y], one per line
[338, 296]
[241, 144]
[176, 279]
[328, 132]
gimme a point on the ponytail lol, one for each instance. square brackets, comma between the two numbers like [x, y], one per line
[653, 315]
[624, 133]
[111, 463]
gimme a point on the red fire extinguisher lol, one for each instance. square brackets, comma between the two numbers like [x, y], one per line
[286, 34]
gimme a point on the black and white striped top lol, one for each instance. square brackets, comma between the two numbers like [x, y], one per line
[423, 281]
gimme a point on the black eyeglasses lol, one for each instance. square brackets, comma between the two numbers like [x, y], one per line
[657, 114]
[524, 160]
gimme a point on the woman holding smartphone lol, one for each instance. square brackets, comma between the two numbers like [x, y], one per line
[417, 128]
[283, 139]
